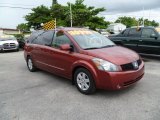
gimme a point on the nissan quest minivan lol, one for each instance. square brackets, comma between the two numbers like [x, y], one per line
[90, 60]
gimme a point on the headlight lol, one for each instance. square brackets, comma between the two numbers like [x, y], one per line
[105, 65]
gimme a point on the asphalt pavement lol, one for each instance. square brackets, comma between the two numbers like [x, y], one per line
[43, 96]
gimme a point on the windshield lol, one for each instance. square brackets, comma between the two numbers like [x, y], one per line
[4, 38]
[88, 39]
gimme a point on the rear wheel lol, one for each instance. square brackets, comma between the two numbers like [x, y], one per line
[30, 65]
[84, 81]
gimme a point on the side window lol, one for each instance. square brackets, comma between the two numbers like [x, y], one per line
[146, 33]
[47, 37]
[34, 35]
[38, 40]
[31, 38]
[35, 41]
[44, 39]
[61, 39]
[134, 32]
[125, 32]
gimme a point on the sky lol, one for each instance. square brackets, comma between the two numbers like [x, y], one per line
[150, 9]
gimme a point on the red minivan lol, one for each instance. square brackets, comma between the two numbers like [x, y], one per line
[90, 60]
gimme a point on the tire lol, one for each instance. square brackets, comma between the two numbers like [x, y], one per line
[30, 65]
[17, 50]
[1, 51]
[84, 81]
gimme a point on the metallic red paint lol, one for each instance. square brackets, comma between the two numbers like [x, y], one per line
[65, 47]
[64, 63]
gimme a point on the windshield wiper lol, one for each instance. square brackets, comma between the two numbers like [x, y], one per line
[108, 46]
[92, 48]
[99, 47]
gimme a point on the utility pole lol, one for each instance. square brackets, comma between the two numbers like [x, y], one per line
[143, 16]
[71, 14]
[54, 2]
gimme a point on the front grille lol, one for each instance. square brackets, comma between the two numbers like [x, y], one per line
[9, 45]
[139, 62]
[125, 84]
[131, 66]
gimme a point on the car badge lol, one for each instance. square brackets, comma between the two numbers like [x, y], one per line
[135, 65]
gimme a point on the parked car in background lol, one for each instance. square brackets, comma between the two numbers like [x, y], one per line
[84, 56]
[145, 40]
[104, 32]
[8, 43]
[21, 43]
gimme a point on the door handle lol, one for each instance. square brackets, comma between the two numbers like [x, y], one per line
[140, 40]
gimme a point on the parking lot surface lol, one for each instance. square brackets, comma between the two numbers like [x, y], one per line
[43, 96]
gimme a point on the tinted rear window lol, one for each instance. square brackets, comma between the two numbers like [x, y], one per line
[147, 33]
[42, 37]
[135, 32]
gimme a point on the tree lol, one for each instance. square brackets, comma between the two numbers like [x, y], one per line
[128, 21]
[19, 37]
[39, 15]
[23, 27]
[60, 13]
[82, 15]
[148, 22]
[86, 16]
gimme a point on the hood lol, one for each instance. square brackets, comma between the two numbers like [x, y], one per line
[8, 41]
[116, 54]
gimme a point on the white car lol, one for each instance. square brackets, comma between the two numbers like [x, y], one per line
[9, 44]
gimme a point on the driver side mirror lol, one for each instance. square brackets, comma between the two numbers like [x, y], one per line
[154, 36]
[66, 47]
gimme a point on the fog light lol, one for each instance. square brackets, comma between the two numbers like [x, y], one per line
[118, 86]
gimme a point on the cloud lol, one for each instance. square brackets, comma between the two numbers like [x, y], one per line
[123, 6]
[114, 8]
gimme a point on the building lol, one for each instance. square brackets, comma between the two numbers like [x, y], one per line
[116, 28]
[8, 31]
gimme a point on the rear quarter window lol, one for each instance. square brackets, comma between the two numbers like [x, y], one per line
[146, 33]
[42, 38]
[34, 35]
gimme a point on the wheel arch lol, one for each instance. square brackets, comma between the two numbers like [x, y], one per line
[87, 66]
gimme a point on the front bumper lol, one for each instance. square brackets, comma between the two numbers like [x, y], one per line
[11, 48]
[119, 80]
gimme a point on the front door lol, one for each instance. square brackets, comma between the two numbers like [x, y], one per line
[132, 39]
[149, 44]
[58, 60]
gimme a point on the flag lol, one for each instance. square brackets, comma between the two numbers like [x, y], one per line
[50, 25]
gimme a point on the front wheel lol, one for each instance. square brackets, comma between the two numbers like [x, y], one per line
[84, 81]
[1, 51]
[30, 65]
[17, 50]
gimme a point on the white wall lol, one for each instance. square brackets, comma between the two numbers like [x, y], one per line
[1, 32]
[116, 28]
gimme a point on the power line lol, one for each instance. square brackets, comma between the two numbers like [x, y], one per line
[14, 7]
[15, 4]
